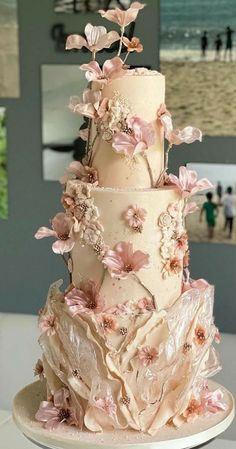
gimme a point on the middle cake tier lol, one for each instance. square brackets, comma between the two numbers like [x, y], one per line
[131, 243]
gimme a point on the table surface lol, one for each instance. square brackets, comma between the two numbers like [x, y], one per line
[11, 438]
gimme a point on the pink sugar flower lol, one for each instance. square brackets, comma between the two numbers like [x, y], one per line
[68, 201]
[85, 299]
[139, 137]
[146, 304]
[112, 68]
[76, 170]
[147, 355]
[177, 136]
[97, 38]
[107, 404]
[122, 18]
[63, 226]
[47, 325]
[190, 208]
[38, 370]
[58, 411]
[133, 45]
[212, 400]
[135, 217]
[123, 261]
[89, 106]
[194, 409]
[200, 335]
[173, 265]
[108, 323]
[188, 184]
[181, 244]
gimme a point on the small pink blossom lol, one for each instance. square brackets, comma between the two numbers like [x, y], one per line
[133, 45]
[107, 404]
[85, 299]
[63, 227]
[139, 137]
[84, 173]
[135, 217]
[177, 136]
[97, 38]
[194, 409]
[188, 184]
[89, 106]
[200, 335]
[108, 323]
[173, 265]
[190, 208]
[147, 355]
[122, 18]
[212, 400]
[146, 304]
[68, 201]
[38, 370]
[112, 69]
[58, 411]
[47, 325]
[123, 261]
[181, 244]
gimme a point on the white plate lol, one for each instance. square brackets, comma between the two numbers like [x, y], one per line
[190, 435]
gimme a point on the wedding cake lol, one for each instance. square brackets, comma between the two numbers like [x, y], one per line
[128, 343]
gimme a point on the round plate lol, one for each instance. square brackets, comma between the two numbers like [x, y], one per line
[190, 435]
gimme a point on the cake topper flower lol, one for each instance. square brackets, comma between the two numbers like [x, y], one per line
[123, 261]
[97, 38]
[187, 182]
[137, 138]
[85, 299]
[111, 69]
[122, 18]
[58, 411]
[63, 228]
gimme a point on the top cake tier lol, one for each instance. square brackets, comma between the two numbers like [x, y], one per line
[136, 96]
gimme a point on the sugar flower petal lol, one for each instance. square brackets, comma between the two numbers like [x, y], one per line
[123, 18]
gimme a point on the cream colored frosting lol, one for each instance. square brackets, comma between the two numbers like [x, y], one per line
[111, 205]
[144, 93]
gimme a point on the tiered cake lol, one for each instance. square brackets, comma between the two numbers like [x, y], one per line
[128, 345]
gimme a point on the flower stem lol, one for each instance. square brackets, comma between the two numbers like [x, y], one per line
[89, 135]
[126, 57]
[94, 55]
[161, 177]
[145, 288]
[149, 170]
[121, 38]
[91, 154]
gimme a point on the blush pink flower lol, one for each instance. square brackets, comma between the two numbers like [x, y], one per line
[188, 184]
[112, 69]
[135, 217]
[38, 370]
[133, 45]
[188, 134]
[212, 400]
[89, 106]
[47, 324]
[173, 265]
[107, 404]
[123, 261]
[108, 323]
[123, 18]
[76, 170]
[85, 299]
[190, 208]
[194, 409]
[147, 355]
[139, 137]
[68, 201]
[146, 304]
[97, 38]
[58, 411]
[200, 335]
[63, 227]
[181, 244]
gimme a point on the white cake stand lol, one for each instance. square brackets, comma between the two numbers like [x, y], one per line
[190, 435]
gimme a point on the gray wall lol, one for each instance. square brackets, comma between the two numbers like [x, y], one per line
[28, 266]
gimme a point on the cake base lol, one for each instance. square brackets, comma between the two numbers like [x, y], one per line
[190, 435]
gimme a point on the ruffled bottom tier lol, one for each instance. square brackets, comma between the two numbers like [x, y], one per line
[130, 367]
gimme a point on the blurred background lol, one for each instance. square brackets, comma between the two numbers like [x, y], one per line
[39, 135]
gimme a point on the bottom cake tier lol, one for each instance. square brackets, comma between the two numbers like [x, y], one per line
[131, 366]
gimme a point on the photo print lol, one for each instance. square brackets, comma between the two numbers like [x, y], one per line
[198, 57]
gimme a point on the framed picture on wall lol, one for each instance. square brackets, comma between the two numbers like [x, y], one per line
[3, 165]
[78, 6]
[198, 57]
[9, 49]
[215, 219]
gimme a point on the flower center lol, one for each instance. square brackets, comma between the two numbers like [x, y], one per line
[91, 304]
[91, 178]
[107, 324]
[64, 414]
[128, 268]
[63, 236]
